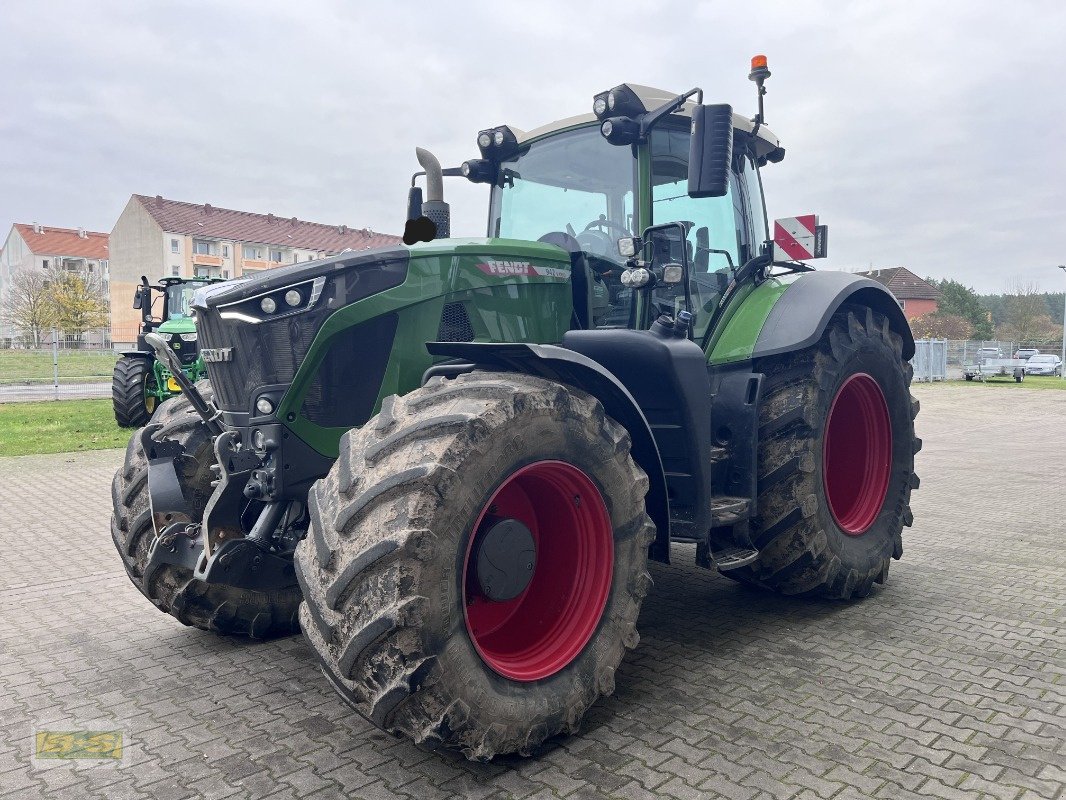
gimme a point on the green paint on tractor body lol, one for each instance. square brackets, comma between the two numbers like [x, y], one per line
[509, 291]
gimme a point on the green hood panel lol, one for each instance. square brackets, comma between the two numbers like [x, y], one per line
[487, 290]
[178, 325]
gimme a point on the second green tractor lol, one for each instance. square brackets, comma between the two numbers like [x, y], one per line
[449, 462]
[141, 381]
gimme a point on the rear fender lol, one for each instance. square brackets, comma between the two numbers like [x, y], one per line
[800, 316]
[574, 369]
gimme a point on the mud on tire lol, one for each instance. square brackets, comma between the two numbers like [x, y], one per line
[381, 566]
[214, 607]
[803, 549]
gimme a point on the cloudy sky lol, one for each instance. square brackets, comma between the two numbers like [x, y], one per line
[925, 134]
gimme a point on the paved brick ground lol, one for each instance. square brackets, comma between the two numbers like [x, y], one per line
[948, 682]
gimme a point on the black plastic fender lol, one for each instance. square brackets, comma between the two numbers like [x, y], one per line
[574, 369]
[794, 323]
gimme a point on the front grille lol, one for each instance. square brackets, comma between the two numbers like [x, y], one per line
[270, 352]
[264, 354]
[186, 351]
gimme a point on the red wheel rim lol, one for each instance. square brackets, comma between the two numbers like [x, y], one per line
[539, 632]
[857, 454]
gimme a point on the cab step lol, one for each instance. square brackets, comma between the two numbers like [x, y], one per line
[733, 557]
[727, 510]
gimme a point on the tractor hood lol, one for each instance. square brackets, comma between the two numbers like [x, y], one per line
[503, 257]
[177, 325]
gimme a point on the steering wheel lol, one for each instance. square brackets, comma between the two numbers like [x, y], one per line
[603, 222]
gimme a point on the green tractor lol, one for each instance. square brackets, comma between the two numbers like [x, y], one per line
[141, 381]
[449, 462]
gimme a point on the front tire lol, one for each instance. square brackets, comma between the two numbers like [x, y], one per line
[130, 383]
[406, 633]
[213, 607]
[836, 462]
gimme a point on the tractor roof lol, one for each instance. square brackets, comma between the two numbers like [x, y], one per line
[652, 98]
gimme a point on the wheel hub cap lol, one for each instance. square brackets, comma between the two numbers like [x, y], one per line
[506, 556]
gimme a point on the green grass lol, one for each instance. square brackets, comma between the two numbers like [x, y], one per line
[63, 426]
[1030, 382]
[26, 366]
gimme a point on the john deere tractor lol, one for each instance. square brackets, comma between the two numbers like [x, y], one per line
[141, 381]
[449, 462]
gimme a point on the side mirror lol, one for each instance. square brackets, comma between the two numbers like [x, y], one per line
[414, 203]
[710, 154]
[137, 301]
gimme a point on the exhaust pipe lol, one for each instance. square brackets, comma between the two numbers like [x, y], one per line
[434, 206]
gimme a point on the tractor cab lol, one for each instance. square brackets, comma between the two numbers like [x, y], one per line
[671, 181]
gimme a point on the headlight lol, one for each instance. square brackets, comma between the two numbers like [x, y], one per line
[498, 138]
[264, 406]
[296, 298]
[636, 278]
[187, 337]
[610, 100]
[599, 106]
[484, 139]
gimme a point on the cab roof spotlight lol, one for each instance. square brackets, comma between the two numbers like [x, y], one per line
[497, 144]
[620, 130]
[620, 101]
[599, 105]
[478, 170]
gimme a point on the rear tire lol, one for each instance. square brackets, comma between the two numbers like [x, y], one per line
[133, 406]
[821, 529]
[213, 607]
[388, 604]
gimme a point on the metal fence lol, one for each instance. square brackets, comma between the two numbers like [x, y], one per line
[63, 368]
[930, 360]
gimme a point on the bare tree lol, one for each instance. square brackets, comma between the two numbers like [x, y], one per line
[79, 304]
[28, 304]
[1026, 318]
[941, 326]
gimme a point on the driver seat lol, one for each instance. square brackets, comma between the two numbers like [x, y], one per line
[580, 277]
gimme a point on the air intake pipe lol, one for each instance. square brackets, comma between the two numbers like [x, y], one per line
[434, 206]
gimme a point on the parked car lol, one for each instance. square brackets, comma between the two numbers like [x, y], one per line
[989, 352]
[1026, 352]
[1043, 364]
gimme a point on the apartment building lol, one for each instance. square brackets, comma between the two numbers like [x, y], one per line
[32, 246]
[157, 237]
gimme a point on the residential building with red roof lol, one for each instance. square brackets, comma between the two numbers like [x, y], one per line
[157, 237]
[31, 246]
[916, 296]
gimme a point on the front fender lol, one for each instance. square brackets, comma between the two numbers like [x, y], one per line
[574, 369]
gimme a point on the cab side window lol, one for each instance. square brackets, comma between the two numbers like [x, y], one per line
[753, 193]
[714, 225]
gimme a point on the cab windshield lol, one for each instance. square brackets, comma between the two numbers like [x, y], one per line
[572, 183]
[179, 298]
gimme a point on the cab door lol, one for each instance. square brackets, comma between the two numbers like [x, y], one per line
[718, 229]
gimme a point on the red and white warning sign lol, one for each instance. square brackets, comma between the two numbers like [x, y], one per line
[798, 238]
